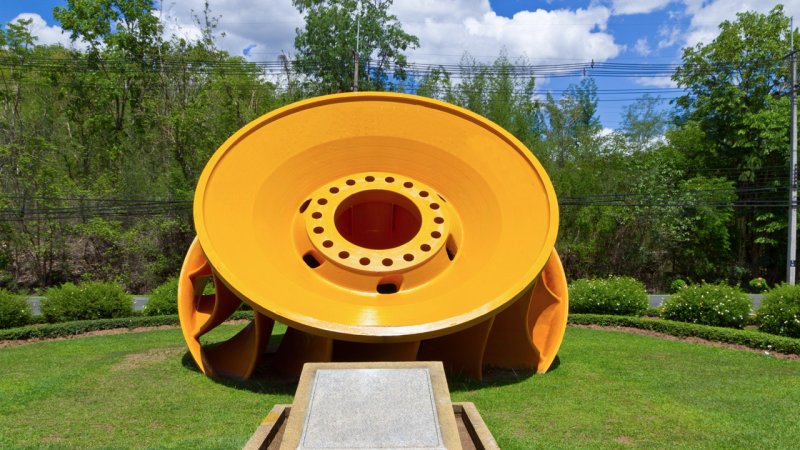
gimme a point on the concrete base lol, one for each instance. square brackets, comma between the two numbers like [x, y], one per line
[472, 431]
[376, 405]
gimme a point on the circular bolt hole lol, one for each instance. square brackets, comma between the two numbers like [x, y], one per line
[408, 257]
[323, 201]
[344, 255]
[408, 184]
[425, 247]
[333, 190]
[423, 193]
[350, 182]
[439, 219]
[370, 178]
[387, 262]
[389, 179]
[364, 261]
[433, 205]
[327, 244]
[316, 215]
[436, 234]
[318, 230]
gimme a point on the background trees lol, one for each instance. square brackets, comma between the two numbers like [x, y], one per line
[101, 145]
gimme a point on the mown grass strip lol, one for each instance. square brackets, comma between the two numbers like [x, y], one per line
[750, 338]
[64, 329]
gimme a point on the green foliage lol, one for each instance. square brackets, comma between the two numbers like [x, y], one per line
[779, 312]
[163, 299]
[749, 338]
[89, 300]
[14, 310]
[708, 304]
[64, 329]
[334, 29]
[758, 285]
[676, 285]
[613, 295]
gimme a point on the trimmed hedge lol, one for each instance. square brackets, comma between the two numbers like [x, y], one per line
[163, 299]
[708, 304]
[612, 295]
[64, 329]
[14, 310]
[87, 301]
[749, 338]
[779, 312]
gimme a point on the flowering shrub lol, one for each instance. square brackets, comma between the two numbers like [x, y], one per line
[758, 285]
[14, 310]
[780, 311]
[87, 301]
[676, 285]
[708, 304]
[613, 295]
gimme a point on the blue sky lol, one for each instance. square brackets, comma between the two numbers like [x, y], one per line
[541, 32]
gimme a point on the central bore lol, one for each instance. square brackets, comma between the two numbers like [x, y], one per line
[378, 219]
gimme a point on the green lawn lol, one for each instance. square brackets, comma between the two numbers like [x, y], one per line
[611, 389]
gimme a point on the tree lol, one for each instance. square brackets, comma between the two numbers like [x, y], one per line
[326, 45]
[735, 106]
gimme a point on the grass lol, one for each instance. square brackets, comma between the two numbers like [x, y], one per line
[610, 390]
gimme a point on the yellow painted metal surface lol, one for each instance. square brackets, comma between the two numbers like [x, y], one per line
[376, 226]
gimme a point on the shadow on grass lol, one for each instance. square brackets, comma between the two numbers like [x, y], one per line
[267, 380]
[264, 380]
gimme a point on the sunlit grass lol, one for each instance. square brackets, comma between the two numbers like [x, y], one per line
[611, 389]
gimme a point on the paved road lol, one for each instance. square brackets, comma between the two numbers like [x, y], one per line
[140, 300]
[138, 303]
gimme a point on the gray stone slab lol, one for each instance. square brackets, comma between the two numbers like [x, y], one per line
[372, 408]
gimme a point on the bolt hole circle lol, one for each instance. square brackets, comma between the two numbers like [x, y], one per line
[322, 201]
[370, 178]
[425, 247]
[318, 230]
[433, 205]
[436, 234]
[408, 184]
[364, 261]
[350, 182]
[387, 262]
[316, 215]
[327, 244]
[439, 219]
[333, 190]
[423, 193]
[408, 257]
[344, 255]
[389, 179]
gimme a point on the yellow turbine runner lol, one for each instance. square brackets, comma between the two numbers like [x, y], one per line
[376, 226]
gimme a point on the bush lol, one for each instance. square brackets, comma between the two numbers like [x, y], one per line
[780, 311]
[758, 285]
[708, 304]
[163, 299]
[87, 301]
[613, 295]
[676, 285]
[14, 310]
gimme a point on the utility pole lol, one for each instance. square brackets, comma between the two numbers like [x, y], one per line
[358, 34]
[792, 251]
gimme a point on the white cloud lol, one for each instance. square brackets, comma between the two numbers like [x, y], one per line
[642, 48]
[47, 35]
[447, 29]
[622, 7]
[669, 36]
[707, 15]
[658, 82]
